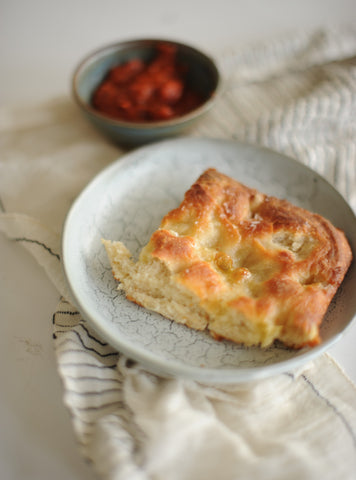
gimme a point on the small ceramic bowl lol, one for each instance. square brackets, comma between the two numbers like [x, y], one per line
[203, 76]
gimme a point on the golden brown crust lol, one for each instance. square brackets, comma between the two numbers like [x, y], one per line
[259, 267]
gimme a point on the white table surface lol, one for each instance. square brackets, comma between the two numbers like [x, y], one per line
[40, 43]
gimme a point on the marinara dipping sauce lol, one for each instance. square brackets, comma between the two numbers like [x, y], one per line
[146, 92]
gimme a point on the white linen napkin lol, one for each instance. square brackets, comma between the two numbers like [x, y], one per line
[296, 95]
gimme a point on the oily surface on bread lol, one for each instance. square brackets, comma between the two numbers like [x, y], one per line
[248, 267]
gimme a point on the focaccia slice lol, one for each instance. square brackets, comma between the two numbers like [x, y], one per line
[246, 266]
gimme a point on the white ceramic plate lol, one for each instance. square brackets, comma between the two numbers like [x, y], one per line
[126, 202]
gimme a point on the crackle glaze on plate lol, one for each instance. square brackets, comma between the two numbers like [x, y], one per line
[126, 202]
